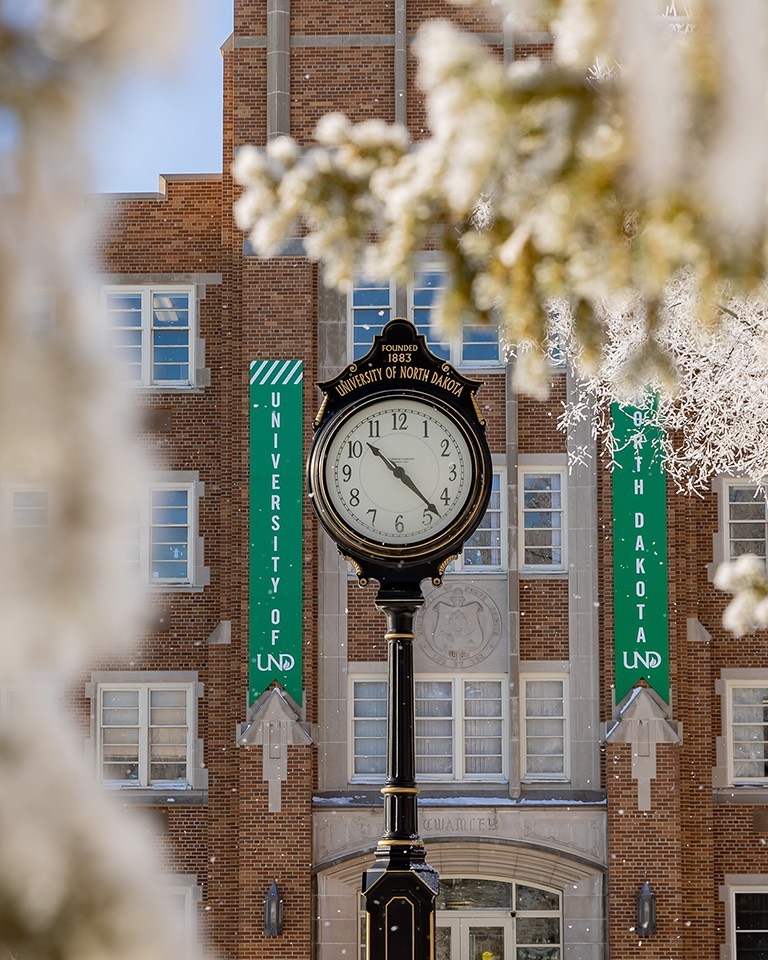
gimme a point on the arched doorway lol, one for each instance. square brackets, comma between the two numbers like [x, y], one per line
[479, 919]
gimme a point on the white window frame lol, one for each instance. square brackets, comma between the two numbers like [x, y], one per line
[187, 889]
[540, 468]
[146, 292]
[733, 886]
[455, 345]
[758, 681]
[144, 682]
[432, 264]
[527, 775]
[8, 495]
[197, 576]
[460, 564]
[458, 718]
[725, 515]
[361, 283]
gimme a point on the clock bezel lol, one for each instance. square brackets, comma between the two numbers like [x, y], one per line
[443, 544]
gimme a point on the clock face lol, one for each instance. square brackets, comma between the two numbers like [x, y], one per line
[398, 471]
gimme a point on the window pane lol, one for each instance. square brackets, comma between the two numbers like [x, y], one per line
[747, 521]
[124, 320]
[483, 750]
[751, 911]
[371, 309]
[749, 732]
[544, 723]
[751, 916]
[532, 898]
[120, 734]
[480, 343]
[535, 930]
[369, 727]
[434, 728]
[427, 289]
[170, 338]
[483, 549]
[29, 508]
[472, 894]
[169, 556]
[542, 520]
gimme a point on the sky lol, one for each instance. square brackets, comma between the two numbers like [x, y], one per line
[160, 122]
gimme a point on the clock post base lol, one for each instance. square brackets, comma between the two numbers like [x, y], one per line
[400, 887]
[399, 892]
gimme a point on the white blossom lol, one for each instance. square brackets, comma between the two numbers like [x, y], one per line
[626, 181]
[75, 882]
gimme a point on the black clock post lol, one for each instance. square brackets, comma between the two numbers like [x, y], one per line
[400, 475]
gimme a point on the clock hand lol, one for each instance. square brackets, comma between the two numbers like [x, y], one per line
[400, 473]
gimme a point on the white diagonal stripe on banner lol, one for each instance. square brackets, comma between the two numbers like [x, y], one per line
[291, 377]
[275, 372]
[255, 373]
[266, 376]
[277, 377]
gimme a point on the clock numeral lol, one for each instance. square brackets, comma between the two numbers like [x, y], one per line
[445, 446]
[399, 420]
[426, 428]
[373, 515]
[444, 497]
[354, 449]
[373, 428]
[451, 471]
[399, 525]
[427, 517]
[346, 473]
[354, 497]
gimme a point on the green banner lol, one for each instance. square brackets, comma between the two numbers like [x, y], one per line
[276, 502]
[641, 622]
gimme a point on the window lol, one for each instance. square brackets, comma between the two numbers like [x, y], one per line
[750, 924]
[145, 732]
[371, 306]
[747, 706]
[152, 330]
[165, 550]
[182, 895]
[486, 548]
[747, 519]
[28, 508]
[544, 728]
[460, 729]
[542, 527]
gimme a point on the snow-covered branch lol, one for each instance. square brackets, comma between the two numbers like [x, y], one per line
[622, 163]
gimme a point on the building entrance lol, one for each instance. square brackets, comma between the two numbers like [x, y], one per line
[493, 920]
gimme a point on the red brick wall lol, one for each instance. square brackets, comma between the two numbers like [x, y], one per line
[322, 77]
[544, 619]
[537, 421]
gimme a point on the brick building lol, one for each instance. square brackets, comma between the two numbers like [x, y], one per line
[545, 804]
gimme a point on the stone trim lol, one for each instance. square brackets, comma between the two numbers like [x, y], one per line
[274, 722]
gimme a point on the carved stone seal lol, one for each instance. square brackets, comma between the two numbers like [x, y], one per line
[460, 626]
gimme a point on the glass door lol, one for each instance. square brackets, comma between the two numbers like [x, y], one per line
[486, 939]
[474, 938]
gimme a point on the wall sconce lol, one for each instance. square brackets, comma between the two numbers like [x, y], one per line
[273, 912]
[646, 911]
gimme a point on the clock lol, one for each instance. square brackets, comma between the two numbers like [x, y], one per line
[398, 478]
